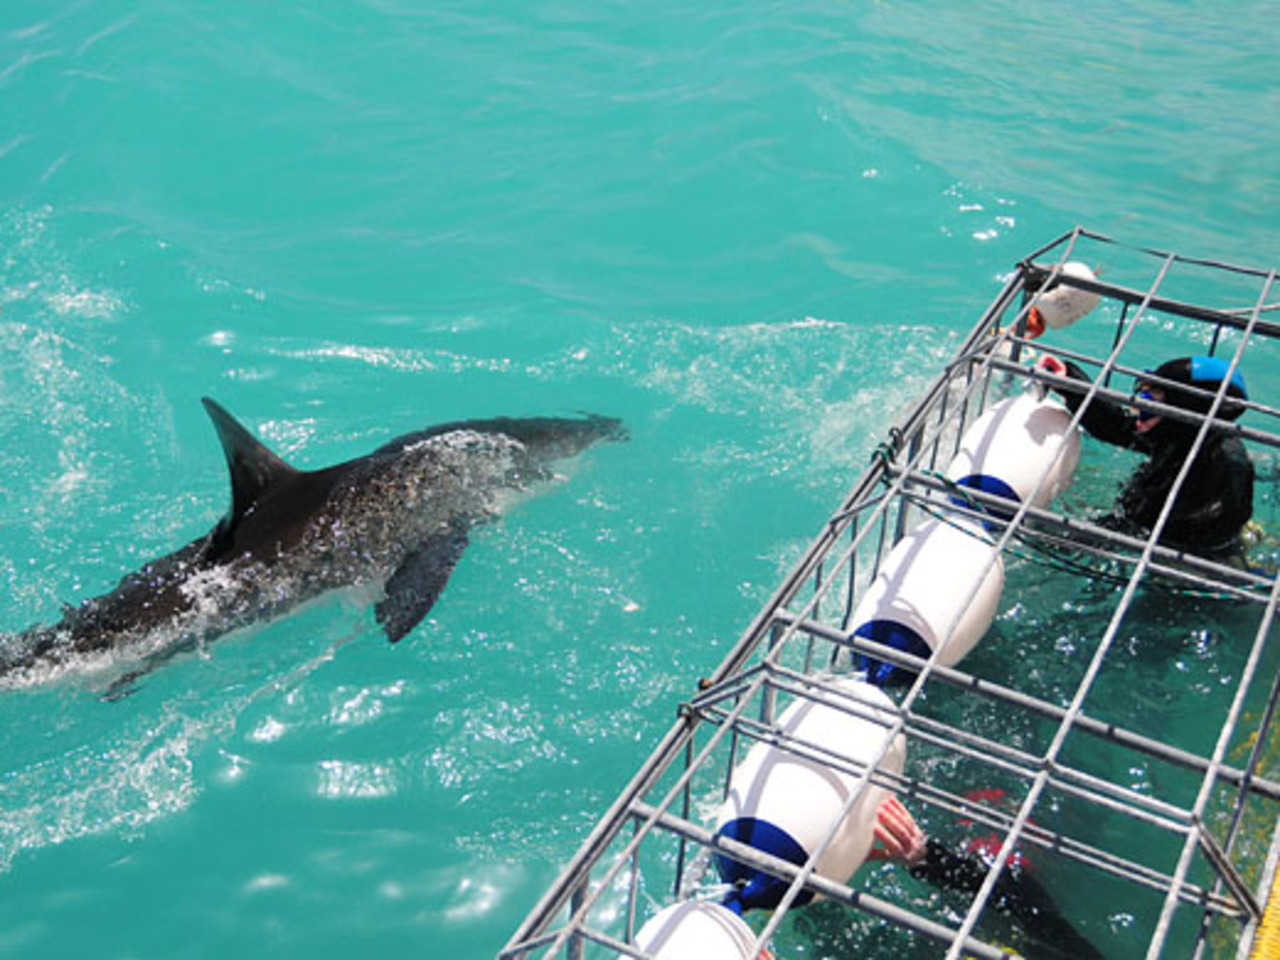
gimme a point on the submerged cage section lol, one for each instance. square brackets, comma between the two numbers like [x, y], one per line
[1079, 710]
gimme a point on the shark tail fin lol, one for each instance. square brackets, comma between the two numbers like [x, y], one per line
[252, 466]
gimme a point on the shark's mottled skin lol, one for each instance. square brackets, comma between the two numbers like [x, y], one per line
[399, 516]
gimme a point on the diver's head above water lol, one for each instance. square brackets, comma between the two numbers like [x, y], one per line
[1189, 383]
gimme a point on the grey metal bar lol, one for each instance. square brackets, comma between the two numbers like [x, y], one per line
[576, 947]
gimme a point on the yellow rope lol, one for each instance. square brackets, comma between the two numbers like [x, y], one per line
[1266, 942]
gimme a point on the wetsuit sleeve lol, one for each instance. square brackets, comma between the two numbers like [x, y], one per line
[1016, 893]
[1238, 506]
[1217, 500]
[1104, 418]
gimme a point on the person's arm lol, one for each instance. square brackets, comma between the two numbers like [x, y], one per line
[1217, 500]
[1016, 893]
[1239, 486]
[1104, 418]
[900, 838]
[1233, 486]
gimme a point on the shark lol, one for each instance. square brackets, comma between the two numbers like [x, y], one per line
[396, 520]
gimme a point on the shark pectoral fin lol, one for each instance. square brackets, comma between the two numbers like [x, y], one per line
[417, 583]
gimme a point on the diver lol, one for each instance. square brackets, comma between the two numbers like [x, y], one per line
[965, 868]
[1216, 499]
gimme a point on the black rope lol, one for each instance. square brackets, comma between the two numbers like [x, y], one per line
[884, 454]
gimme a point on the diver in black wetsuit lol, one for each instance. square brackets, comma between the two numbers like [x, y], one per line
[1216, 499]
[1016, 892]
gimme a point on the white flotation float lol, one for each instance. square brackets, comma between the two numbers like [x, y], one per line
[1063, 305]
[785, 804]
[1013, 444]
[937, 590]
[696, 930]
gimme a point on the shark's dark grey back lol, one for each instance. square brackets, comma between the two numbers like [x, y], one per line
[545, 438]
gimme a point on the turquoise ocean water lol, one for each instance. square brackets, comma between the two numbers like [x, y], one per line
[752, 231]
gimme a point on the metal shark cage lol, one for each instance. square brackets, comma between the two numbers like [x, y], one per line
[1122, 703]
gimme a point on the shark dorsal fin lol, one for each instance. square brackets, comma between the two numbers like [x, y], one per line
[252, 466]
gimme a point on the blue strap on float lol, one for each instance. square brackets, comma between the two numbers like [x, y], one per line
[986, 483]
[757, 890]
[1213, 370]
[899, 637]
